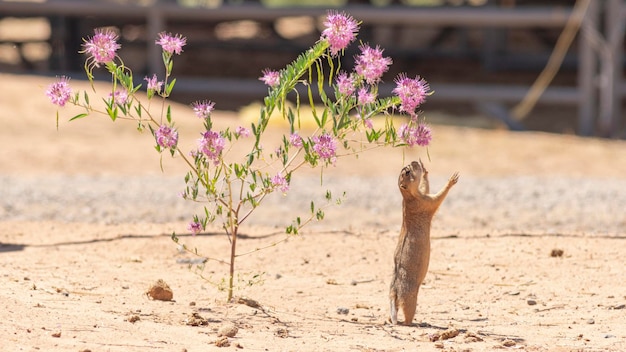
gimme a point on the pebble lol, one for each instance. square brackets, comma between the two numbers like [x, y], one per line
[342, 310]
[228, 330]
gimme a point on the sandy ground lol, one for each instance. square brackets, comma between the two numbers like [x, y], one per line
[86, 216]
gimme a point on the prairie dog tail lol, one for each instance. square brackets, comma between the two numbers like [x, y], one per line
[393, 308]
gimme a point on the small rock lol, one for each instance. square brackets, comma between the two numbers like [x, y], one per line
[472, 337]
[160, 291]
[281, 332]
[56, 334]
[228, 330]
[439, 345]
[222, 342]
[133, 318]
[556, 253]
[591, 321]
[531, 302]
[195, 320]
[450, 333]
[508, 343]
[342, 310]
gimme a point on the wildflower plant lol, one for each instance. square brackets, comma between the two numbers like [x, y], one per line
[230, 187]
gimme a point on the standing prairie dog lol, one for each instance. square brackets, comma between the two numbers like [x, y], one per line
[413, 250]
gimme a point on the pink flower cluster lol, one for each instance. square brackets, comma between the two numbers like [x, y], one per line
[270, 77]
[194, 227]
[211, 144]
[340, 30]
[166, 137]
[412, 93]
[101, 47]
[325, 147]
[171, 44]
[203, 109]
[280, 182]
[153, 84]
[371, 64]
[415, 134]
[59, 92]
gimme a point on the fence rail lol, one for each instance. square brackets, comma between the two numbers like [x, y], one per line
[598, 103]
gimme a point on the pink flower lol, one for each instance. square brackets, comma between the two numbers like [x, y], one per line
[371, 64]
[119, 97]
[59, 92]
[203, 109]
[412, 135]
[270, 77]
[153, 84]
[345, 84]
[171, 44]
[280, 182]
[166, 137]
[340, 30]
[295, 140]
[242, 131]
[368, 123]
[211, 144]
[365, 96]
[325, 147]
[102, 46]
[194, 227]
[412, 92]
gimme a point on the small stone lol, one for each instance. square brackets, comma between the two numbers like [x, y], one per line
[342, 310]
[192, 304]
[438, 344]
[56, 334]
[591, 321]
[450, 333]
[228, 330]
[222, 342]
[556, 253]
[160, 291]
[531, 302]
[133, 319]
[508, 343]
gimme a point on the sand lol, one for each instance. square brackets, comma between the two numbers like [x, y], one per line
[527, 251]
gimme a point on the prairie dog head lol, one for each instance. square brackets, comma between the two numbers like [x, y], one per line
[410, 178]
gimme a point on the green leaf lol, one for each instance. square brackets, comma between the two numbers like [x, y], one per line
[312, 207]
[168, 114]
[169, 87]
[112, 112]
[79, 116]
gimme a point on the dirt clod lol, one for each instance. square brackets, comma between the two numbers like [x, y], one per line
[222, 342]
[56, 334]
[160, 291]
[195, 319]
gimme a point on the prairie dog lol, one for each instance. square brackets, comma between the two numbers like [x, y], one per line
[413, 249]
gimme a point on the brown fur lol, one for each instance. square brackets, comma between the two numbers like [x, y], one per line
[413, 250]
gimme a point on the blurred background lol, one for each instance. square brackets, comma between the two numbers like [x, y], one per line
[554, 66]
